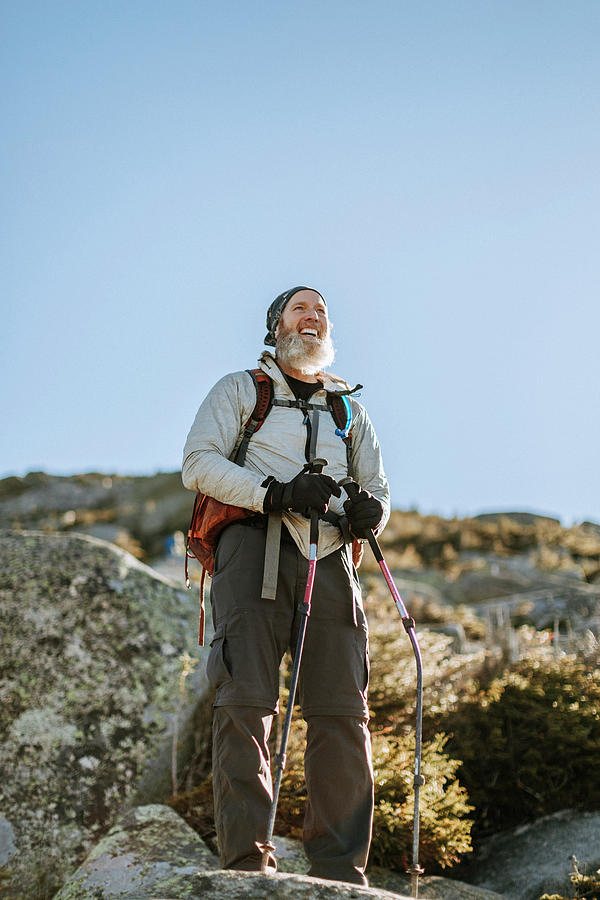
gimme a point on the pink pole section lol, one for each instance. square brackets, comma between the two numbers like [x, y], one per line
[394, 590]
[310, 579]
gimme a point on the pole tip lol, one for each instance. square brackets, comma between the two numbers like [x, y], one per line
[414, 872]
[268, 849]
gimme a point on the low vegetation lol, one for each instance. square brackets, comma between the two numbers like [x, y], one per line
[539, 722]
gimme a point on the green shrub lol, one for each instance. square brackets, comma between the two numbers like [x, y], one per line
[445, 827]
[529, 743]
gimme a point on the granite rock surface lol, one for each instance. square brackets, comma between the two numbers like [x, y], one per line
[90, 668]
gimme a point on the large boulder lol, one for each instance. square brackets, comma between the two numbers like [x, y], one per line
[92, 650]
[536, 859]
[231, 885]
[150, 852]
[228, 885]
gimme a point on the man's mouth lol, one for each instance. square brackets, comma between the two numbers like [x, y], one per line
[311, 332]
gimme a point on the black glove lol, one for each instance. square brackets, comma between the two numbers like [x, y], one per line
[306, 491]
[364, 512]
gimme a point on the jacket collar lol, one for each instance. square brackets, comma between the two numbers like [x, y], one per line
[332, 383]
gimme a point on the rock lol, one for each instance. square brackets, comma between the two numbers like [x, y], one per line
[237, 885]
[290, 856]
[7, 841]
[232, 885]
[292, 859]
[455, 631]
[521, 518]
[576, 606]
[528, 861]
[137, 511]
[150, 852]
[431, 887]
[90, 668]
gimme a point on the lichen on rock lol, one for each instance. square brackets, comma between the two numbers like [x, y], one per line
[149, 852]
[88, 695]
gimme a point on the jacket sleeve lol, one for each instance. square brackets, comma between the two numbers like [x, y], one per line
[212, 440]
[367, 461]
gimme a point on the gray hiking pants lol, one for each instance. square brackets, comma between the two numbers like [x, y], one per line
[251, 636]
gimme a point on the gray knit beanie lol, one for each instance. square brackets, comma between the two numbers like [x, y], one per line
[276, 308]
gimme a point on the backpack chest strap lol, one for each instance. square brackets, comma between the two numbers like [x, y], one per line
[304, 405]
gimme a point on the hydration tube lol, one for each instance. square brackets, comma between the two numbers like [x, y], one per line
[343, 432]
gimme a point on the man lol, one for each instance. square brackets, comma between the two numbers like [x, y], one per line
[254, 626]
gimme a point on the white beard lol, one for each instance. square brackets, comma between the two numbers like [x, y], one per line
[307, 355]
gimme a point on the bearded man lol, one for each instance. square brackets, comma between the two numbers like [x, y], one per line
[254, 624]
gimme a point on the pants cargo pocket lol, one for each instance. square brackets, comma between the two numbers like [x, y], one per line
[217, 670]
[362, 632]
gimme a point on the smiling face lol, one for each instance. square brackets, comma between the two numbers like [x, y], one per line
[306, 314]
[303, 342]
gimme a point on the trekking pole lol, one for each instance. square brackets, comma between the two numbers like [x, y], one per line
[352, 489]
[268, 847]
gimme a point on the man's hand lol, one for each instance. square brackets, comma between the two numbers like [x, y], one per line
[307, 491]
[364, 512]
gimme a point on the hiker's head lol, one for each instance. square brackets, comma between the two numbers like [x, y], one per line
[299, 328]
[276, 308]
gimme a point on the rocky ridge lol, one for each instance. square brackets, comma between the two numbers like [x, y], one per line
[143, 512]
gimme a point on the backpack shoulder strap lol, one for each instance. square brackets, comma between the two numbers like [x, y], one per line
[342, 416]
[264, 395]
[264, 401]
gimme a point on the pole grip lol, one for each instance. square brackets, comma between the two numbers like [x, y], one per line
[353, 490]
[317, 465]
[350, 486]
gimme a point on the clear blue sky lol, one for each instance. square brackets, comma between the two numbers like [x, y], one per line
[431, 167]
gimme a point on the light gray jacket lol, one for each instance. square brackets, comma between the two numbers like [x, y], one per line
[277, 448]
